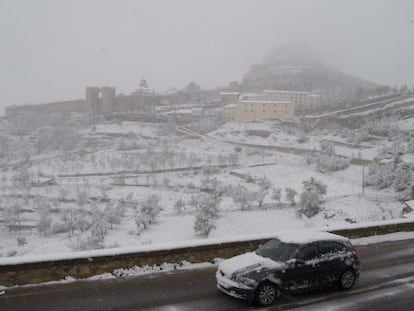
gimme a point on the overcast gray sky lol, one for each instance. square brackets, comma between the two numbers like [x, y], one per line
[51, 49]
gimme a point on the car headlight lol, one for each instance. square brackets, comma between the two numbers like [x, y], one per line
[244, 280]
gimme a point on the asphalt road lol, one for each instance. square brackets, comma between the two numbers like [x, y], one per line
[386, 282]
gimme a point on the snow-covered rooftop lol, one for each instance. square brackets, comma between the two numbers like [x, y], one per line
[253, 101]
[285, 92]
[230, 93]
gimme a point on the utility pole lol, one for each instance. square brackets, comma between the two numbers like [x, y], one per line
[363, 179]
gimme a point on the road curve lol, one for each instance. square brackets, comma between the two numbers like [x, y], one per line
[386, 268]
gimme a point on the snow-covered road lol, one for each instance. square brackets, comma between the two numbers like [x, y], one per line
[386, 281]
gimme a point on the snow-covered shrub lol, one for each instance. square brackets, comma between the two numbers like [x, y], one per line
[210, 170]
[60, 227]
[11, 253]
[290, 195]
[179, 206]
[396, 174]
[22, 178]
[81, 196]
[397, 149]
[310, 159]
[384, 153]
[45, 222]
[99, 227]
[74, 219]
[221, 160]
[358, 137]
[12, 216]
[311, 197]
[21, 240]
[59, 137]
[333, 163]
[277, 195]
[113, 215]
[302, 138]
[147, 212]
[193, 203]
[206, 214]
[119, 180]
[264, 186]
[242, 196]
[166, 182]
[214, 187]
[328, 161]
[81, 219]
[402, 177]
[84, 243]
[233, 158]
[385, 127]
[207, 206]
[129, 197]
[410, 146]
[63, 192]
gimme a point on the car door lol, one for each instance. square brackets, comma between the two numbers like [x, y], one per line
[303, 272]
[332, 254]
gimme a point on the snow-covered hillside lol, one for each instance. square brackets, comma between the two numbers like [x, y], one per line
[115, 184]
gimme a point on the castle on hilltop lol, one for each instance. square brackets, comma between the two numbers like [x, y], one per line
[97, 101]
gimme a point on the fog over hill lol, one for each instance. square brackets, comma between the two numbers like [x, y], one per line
[296, 67]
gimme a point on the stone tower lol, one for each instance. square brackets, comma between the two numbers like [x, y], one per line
[108, 99]
[92, 100]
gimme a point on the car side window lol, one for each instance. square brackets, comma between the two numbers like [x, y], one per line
[308, 252]
[331, 247]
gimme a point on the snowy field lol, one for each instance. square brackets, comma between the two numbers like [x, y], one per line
[127, 184]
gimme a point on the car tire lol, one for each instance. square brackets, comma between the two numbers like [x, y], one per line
[267, 293]
[347, 280]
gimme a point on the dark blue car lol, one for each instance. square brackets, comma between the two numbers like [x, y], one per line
[290, 262]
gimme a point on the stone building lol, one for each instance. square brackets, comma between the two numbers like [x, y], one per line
[100, 100]
[256, 109]
[302, 100]
[227, 98]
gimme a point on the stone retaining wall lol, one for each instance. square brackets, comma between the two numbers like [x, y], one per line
[28, 273]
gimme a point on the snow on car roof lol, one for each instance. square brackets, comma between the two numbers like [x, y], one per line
[302, 237]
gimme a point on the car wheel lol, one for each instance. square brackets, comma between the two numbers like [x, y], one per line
[347, 280]
[267, 293]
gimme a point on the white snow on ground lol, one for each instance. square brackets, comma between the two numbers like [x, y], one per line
[240, 223]
[343, 203]
[185, 244]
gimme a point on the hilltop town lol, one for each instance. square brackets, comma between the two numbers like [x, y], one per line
[148, 167]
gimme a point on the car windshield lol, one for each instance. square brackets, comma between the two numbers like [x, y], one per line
[277, 250]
